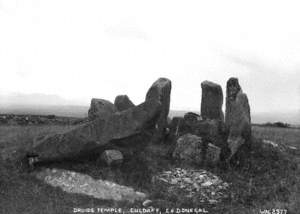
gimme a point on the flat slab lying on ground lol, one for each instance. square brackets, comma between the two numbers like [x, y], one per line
[74, 182]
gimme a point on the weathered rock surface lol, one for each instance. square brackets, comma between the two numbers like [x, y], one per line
[161, 90]
[237, 117]
[212, 130]
[183, 125]
[122, 102]
[212, 154]
[74, 182]
[189, 148]
[112, 157]
[98, 132]
[191, 118]
[192, 149]
[212, 101]
[100, 108]
[201, 185]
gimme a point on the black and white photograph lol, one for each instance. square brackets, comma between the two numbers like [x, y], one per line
[149, 107]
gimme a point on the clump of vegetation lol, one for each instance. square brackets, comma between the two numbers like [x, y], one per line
[277, 124]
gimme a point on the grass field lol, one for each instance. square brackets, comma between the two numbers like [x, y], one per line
[269, 180]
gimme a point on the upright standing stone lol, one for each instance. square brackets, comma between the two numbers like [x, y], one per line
[161, 90]
[212, 101]
[237, 117]
[122, 102]
[100, 108]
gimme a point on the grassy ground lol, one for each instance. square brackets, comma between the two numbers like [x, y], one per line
[270, 179]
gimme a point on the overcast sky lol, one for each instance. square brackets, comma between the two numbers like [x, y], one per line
[84, 49]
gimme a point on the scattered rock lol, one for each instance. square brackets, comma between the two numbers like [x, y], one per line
[292, 147]
[89, 136]
[100, 108]
[74, 182]
[161, 90]
[122, 102]
[202, 184]
[212, 101]
[147, 203]
[112, 157]
[270, 143]
[237, 117]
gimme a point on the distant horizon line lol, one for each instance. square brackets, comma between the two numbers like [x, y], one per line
[173, 109]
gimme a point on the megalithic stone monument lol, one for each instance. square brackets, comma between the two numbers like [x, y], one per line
[237, 116]
[160, 91]
[211, 101]
[97, 133]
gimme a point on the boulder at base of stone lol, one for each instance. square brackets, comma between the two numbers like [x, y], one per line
[192, 149]
[237, 118]
[99, 132]
[122, 102]
[211, 130]
[212, 154]
[112, 157]
[161, 90]
[212, 101]
[100, 108]
[189, 148]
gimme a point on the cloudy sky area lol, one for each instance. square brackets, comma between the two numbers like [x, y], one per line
[84, 49]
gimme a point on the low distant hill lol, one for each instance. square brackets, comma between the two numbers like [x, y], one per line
[18, 103]
[58, 110]
[81, 111]
[290, 117]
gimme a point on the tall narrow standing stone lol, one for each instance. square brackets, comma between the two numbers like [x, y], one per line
[161, 90]
[237, 117]
[212, 101]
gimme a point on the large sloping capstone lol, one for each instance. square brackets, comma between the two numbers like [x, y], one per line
[98, 132]
[100, 108]
[212, 101]
[122, 102]
[237, 117]
[74, 182]
[161, 90]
